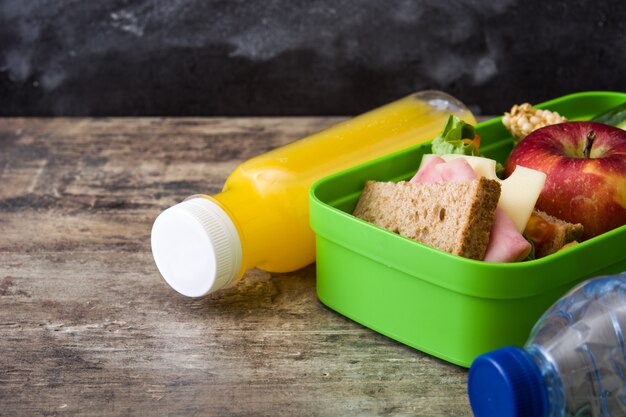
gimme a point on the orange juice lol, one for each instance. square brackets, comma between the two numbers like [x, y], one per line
[260, 219]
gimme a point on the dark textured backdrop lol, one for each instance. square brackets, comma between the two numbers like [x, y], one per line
[207, 57]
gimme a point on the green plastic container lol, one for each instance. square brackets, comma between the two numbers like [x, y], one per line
[450, 307]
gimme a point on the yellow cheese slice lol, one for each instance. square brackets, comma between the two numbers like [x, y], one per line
[519, 195]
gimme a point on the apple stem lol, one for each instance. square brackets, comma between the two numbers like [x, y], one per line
[591, 136]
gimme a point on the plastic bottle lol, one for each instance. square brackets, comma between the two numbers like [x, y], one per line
[260, 219]
[574, 363]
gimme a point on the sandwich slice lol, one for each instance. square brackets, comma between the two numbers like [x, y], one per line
[550, 234]
[455, 217]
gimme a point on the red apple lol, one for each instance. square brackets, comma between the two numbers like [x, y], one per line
[581, 187]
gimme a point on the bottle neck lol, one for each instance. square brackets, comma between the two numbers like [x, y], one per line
[273, 225]
[243, 209]
[552, 380]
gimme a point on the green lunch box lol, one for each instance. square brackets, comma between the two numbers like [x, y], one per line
[450, 307]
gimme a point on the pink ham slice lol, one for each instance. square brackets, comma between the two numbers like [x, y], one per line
[438, 170]
[427, 173]
[506, 244]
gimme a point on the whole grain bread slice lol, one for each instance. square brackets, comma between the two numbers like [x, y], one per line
[561, 233]
[455, 217]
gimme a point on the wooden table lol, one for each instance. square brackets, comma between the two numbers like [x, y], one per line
[88, 326]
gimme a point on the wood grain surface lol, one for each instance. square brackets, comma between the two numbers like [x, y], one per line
[88, 326]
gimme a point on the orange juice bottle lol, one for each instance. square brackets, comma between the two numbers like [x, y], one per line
[260, 219]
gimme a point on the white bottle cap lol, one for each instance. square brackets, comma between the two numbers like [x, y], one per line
[196, 247]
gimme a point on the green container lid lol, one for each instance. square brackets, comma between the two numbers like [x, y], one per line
[451, 307]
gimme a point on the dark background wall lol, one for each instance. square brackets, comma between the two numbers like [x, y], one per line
[208, 57]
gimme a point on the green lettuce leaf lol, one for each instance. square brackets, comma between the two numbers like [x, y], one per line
[450, 140]
[499, 169]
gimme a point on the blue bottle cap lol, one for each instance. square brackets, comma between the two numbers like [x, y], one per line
[507, 383]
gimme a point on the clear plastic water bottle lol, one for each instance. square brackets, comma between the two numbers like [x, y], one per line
[574, 363]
